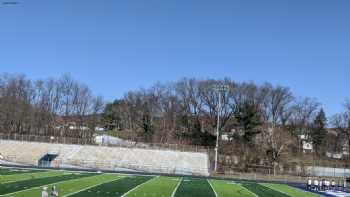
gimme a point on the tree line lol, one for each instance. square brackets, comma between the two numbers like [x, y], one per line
[47, 107]
[261, 122]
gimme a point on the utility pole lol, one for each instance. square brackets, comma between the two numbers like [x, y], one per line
[220, 89]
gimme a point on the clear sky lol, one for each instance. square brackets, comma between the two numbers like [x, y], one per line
[118, 45]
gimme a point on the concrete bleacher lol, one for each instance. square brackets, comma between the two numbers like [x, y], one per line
[108, 158]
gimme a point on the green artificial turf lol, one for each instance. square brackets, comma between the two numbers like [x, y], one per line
[10, 171]
[230, 189]
[290, 191]
[191, 187]
[262, 191]
[70, 187]
[157, 187]
[114, 188]
[30, 183]
[27, 176]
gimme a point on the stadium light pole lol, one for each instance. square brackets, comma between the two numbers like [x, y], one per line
[220, 88]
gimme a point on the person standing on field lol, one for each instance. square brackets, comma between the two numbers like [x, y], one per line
[309, 184]
[333, 184]
[54, 192]
[320, 185]
[44, 192]
[316, 184]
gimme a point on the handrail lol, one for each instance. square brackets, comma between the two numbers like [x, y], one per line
[82, 141]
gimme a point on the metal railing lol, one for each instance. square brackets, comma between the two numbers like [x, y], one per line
[86, 141]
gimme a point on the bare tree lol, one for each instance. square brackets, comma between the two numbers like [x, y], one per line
[341, 122]
[277, 102]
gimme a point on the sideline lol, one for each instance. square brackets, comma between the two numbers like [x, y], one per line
[32, 188]
[177, 186]
[212, 188]
[133, 189]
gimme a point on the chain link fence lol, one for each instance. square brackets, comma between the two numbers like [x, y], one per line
[85, 141]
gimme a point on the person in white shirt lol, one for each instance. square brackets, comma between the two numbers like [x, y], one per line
[54, 192]
[328, 184]
[344, 184]
[309, 184]
[333, 184]
[44, 192]
[316, 184]
[321, 185]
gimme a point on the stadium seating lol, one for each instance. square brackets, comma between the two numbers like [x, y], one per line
[108, 158]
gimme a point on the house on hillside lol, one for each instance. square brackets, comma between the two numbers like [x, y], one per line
[338, 147]
[307, 147]
[228, 135]
[334, 155]
[306, 144]
[100, 129]
[344, 153]
[72, 125]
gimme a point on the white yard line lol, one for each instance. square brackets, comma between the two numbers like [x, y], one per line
[133, 189]
[212, 188]
[9, 182]
[52, 169]
[246, 190]
[177, 186]
[37, 177]
[276, 190]
[33, 188]
[86, 188]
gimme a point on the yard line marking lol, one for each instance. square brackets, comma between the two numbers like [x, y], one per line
[177, 186]
[93, 186]
[246, 189]
[9, 182]
[32, 188]
[28, 176]
[57, 170]
[279, 190]
[133, 189]
[28, 188]
[212, 188]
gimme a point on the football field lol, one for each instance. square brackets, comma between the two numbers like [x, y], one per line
[29, 183]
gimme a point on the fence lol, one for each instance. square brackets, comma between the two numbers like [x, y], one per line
[46, 139]
[327, 172]
[85, 141]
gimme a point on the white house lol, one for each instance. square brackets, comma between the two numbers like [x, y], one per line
[83, 128]
[99, 129]
[225, 137]
[302, 137]
[334, 155]
[307, 146]
[306, 143]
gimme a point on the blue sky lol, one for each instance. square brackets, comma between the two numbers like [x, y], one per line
[118, 45]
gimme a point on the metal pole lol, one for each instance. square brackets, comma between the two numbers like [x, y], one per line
[219, 88]
[217, 134]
